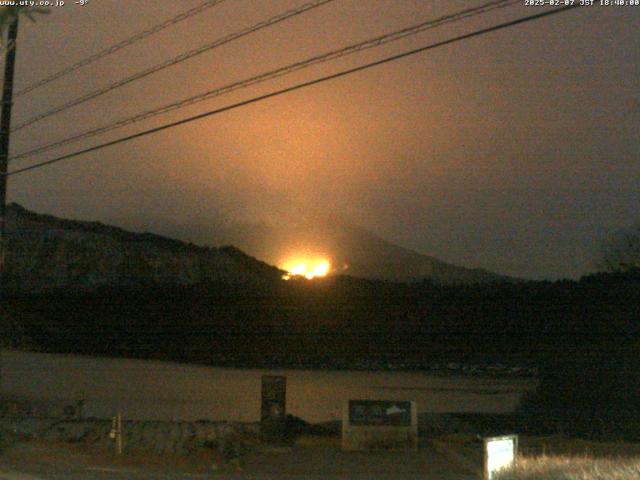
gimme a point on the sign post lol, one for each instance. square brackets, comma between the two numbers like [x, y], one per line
[116, 432]
[273, 408]
[499, 453]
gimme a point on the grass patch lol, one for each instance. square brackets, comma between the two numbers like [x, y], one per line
[573, 468]
[551, 458]
[552, 446]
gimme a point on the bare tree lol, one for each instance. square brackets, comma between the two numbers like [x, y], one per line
[9, 14]
[621, 252]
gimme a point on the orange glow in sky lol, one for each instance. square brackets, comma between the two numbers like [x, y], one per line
[307, 268]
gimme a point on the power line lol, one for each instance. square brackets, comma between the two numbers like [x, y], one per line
[120, 45]
[298, 87]
[279, 72]
[174, 61]
[389, 37]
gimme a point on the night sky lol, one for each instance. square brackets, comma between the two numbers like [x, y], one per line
[516, 151]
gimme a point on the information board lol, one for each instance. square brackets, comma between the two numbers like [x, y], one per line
[379, 413]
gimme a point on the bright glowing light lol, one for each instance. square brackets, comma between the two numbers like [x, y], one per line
[308, 269]
[500, 453]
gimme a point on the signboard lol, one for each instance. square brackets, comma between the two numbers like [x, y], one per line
[379, 413]
[499, 453]
[379, 425]
[273, 407]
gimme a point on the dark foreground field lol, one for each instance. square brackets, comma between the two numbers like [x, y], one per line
[308, 459]
[582, 336]
[315, 458]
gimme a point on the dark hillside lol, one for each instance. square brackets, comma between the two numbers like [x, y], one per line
[583, 337]
[93, 289]
[45, 252]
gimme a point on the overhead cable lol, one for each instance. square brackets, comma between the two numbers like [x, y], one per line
[174, 61]
[279, 72]
[120, 45]
[296, 87]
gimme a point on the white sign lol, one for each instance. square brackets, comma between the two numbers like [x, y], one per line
[499, 453]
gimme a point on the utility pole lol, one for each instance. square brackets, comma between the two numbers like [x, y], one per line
[5, 127]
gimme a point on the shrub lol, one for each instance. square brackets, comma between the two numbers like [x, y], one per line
[573, 468]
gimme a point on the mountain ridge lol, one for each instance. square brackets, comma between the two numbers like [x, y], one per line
[47, 252]
[353, 250]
